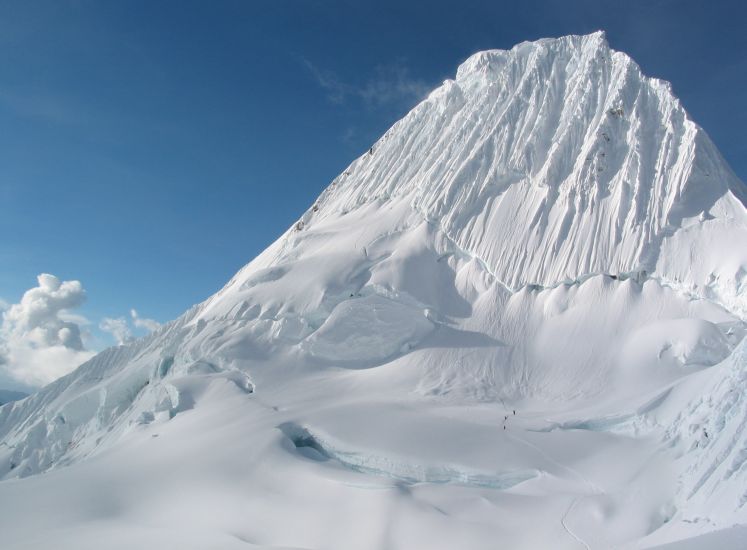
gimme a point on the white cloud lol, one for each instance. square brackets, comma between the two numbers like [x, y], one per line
[118, 328]
[121, 329]
[141, 322]
[39, 340]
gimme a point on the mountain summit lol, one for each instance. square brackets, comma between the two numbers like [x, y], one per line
[516, 320]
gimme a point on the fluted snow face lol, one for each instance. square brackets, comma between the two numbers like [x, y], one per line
[550, 161]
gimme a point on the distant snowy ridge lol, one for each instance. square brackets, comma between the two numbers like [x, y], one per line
[6, 396]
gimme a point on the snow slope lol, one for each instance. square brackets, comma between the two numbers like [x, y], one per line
[516, 321]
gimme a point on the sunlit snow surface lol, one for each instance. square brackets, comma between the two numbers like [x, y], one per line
[516, 323]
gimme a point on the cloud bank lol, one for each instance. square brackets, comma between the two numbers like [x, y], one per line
[40, 340]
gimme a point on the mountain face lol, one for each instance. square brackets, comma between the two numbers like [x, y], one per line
[553, 161]
[517, 319]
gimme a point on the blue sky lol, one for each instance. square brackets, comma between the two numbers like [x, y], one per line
[150, 149]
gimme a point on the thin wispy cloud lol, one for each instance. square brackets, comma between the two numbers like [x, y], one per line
[349, 136]
[43, 107]
[393, 84]
[388, 85]
[337, 91]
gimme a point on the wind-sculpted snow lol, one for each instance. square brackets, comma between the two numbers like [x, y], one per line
[516, 321]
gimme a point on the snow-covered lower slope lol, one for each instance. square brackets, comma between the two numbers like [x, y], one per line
[516, 322]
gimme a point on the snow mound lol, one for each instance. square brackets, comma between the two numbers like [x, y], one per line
[679, 342]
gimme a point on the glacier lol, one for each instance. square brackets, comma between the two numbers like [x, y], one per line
[516, 321]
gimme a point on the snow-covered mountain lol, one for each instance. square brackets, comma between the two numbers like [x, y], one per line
[516, 321]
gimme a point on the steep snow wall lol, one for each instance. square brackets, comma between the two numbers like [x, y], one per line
[558, 159]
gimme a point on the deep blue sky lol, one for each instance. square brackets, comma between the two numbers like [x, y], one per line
[150, 149]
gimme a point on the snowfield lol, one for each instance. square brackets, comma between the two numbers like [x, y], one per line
[517, 322]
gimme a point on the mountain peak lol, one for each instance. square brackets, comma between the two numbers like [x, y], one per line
[488, 62]
[559, 146]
